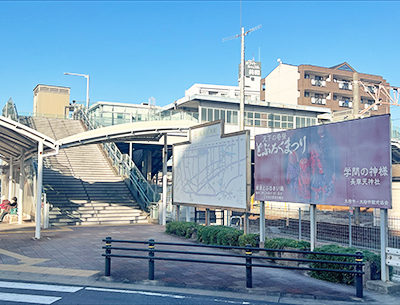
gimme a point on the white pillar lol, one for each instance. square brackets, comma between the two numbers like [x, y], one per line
[313, 226]
[163, 210]
[10, 179]
[262, 224]
[384, 244]
[39, 184]
[188, 214]
[21, 185]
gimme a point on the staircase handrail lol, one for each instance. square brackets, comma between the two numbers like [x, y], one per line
[124, 164]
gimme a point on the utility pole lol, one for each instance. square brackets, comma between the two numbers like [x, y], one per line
[242, 71]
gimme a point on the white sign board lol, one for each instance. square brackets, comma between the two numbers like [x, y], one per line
[211, 169]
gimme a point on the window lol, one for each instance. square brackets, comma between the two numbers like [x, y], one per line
[212, 92]
[216, 114]
[335, 97]
[234, 117]
[203, 114]
[229, 116]
[222, 114]
[306, 76]
[306, 94]
[209, 115]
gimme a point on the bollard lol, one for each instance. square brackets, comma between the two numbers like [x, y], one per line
[151, 261]
[108, 257]
[359, 279]
[249, 278]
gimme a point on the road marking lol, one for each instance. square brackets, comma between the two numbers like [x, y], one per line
[137, 292]
[28, 298]
[57, 288]
[27, 263]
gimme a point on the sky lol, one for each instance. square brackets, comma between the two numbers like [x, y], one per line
[134, 50]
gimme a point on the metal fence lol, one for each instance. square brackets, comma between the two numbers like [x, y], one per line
[360, 230]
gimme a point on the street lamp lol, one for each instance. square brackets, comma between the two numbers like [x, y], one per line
[87, 86]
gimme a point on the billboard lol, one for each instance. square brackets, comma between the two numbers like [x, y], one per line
[211, 170]
[345, 164]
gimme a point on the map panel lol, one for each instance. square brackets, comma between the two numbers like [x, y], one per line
[212, 170]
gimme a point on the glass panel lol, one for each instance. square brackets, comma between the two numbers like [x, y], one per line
[229, 116]
[216, 114]
[284, 118]
[277, 117]
[257, 123]
[210, 115]
[284, 125]
[290, 125]
[308, 122]
[264, 116]
[270, 124]
[250, 115]
[234, 117]
[290, 118]
[257, 115]
[203, 114]
[277, 124]
[297, 122]
[303, 122]
[270, 116]
[222, 114]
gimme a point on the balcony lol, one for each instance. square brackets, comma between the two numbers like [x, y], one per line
[346, 104]
[345, 86]
[318, 100]
[318, 83]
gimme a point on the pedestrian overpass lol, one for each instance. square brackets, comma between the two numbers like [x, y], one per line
[19, 143]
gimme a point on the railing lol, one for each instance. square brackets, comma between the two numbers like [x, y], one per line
[124, 164]
[109, 118]
[248, 258]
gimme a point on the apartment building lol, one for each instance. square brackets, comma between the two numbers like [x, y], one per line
[332, 88]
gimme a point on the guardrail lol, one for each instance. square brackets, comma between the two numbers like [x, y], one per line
[248, 258]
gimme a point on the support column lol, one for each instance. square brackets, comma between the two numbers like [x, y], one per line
[207, 220]
[384, 244]
[188, 214]
[313, 226]
[21, 185]
[39, 184]
[262, 224]
[10, 179]
[162, 212]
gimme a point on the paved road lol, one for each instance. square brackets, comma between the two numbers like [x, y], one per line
[33, 293]
[72, 256]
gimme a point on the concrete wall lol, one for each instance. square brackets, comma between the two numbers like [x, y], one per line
[281, 85]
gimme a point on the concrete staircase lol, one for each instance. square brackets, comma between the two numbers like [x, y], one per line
[80, 183]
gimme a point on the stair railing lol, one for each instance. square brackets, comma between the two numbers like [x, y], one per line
[126, 167]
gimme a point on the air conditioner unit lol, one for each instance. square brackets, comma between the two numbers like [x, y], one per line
[340, 103]
[351, 104]
[376, 107]
[312, 81]
[323, 101]
[313, 100]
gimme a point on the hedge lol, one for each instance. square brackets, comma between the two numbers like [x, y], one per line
[181, 228]
[344, 278]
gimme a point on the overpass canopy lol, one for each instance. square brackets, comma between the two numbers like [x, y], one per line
[16, 137]
[147, 131]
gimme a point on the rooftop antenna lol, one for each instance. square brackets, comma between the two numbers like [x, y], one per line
[242, 76]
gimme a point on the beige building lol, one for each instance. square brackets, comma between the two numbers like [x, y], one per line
[321, 87]
[50, 100]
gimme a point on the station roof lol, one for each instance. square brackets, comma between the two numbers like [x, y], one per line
[15, 137]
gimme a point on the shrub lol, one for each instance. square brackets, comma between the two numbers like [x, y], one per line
[280, 243]
[181, 228]
[218, 235]
[251, 239]
[345, 278]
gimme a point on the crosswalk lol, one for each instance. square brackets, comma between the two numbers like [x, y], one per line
[30, 298]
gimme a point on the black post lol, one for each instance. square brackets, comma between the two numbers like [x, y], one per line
[359, 279]
[151, 261]
[249, 278]
[108, 257]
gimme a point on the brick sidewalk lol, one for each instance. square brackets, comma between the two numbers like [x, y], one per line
[76, 252]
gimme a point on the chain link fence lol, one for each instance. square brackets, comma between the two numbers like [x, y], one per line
[361, 230]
